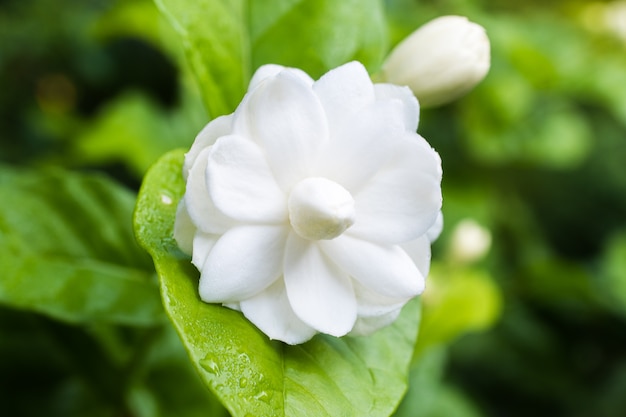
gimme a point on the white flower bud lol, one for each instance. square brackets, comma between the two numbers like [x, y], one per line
[470, 241]
[320, 209]
[440, 61]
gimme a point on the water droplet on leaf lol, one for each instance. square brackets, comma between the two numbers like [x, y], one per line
[210, 366]
[262, 396]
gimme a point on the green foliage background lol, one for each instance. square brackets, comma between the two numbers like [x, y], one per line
[92, 93]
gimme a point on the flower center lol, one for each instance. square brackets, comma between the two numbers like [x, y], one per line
[320, 209]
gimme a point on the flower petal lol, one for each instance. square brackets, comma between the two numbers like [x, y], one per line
[201, 209]
[184, 229]
[402, 200]
[233, 306]
[267, 71]
[241, 184]
[419, 251]
[263, 73]
[405, 95]
[362, 144]
[435, 230]
[216, 128]
[243, 262]
[320, 294]
[375, 311]
[271, 312]
[344, 91]
[368, 325]
[202, 245]
[285, 118]
[371, 304]
[384, 269]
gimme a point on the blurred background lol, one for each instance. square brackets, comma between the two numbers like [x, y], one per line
[525, 312]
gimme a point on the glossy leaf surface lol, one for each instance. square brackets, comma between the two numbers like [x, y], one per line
[67, 249]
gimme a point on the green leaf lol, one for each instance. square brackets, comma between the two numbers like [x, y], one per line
[216, 46]
[425, 381]
[252, 375]
[317, 35]
[430, 395]
[67, 249]
[452, 402]
[135, 18]
[614, 271]
[169, 385]
[456, 301]
[226, 40]
[134, 130]
[543, 125]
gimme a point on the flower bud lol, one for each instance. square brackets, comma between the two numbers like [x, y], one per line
[470, 241]
[440, 61]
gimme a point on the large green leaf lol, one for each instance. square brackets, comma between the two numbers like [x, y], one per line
[67, 249]
[134, 130]
[252, 375]
[317, 35]
[216, 45]
[225, 40]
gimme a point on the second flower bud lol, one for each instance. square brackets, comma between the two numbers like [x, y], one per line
[440, 61]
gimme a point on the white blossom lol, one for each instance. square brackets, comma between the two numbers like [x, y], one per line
[441, 60]
[308, 208]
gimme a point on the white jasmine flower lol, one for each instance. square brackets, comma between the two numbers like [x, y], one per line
[308, 208]
[441, 60]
